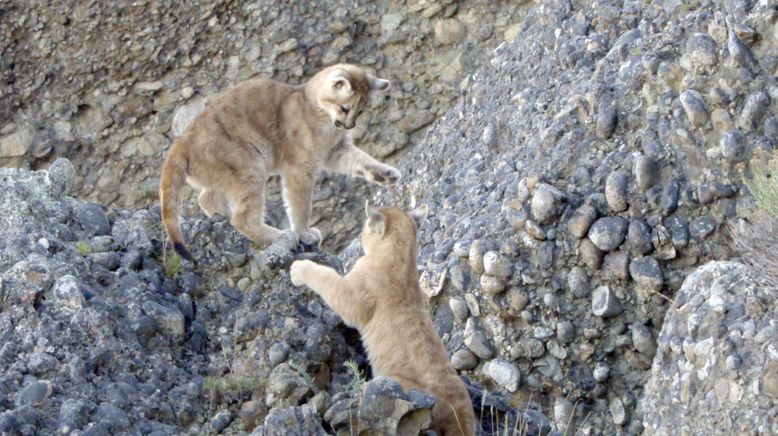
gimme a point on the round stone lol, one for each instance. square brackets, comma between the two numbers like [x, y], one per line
[608, 233]
[503, 373]
[702, 49]
[464, 359]
[616, 191]
[604, 303]
[647, 273]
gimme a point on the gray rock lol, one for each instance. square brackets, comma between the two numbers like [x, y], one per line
[754, 110]
[478, 249]
[590, 254]
[546, 203]
[694, 322]
[517, 298]
[741, 54]
[702, 49]
[286, 385]
[72, 415]
[639, 237]
[733, 144]
[647, 273]
[221, 421]
[582, 219]
[565, 331]
[61, 175]
[616, 191]
[169, 318]
[662, 242]
[578, 282]
[700, 228]
[643, 340]
[608, 233]
[112, 417]
[93, 220]
[492, 285]
[529, 348]
[601, 372]
[606, 122]
[604, 303]
[646, 172]
[694, 105]
[503, 373]
[618, 411]
[297, 420]
[535, 230]
[67, 293]
[496, 264]
[458, 307]
[476, 341]
[670, 196]
[464, 359]
[679, 231]
[35, 393]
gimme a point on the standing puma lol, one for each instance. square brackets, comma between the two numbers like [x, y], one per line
[381, 298]
[260, 127]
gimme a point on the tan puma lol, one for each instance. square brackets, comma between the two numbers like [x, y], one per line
[381, 298]
[260, 127]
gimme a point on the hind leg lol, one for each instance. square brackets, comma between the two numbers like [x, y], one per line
[212, 202]
[248, 213]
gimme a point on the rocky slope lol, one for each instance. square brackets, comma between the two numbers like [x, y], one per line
[102, 82]
[585, 171]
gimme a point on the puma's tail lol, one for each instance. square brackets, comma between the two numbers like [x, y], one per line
[173, 178]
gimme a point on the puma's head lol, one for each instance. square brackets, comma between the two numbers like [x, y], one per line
[342, 91]
[391, 228]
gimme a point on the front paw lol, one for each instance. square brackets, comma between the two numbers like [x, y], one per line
[299, 270]
[383, 175]
[310, 237]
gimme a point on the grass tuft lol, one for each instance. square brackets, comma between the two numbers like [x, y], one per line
[757, 237]
[83, 248]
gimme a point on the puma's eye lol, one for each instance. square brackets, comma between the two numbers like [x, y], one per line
[344, 109]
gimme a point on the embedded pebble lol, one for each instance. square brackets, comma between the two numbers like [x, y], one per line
[694, 105]
[546, 203]
[496, 264]
[503, 373]
[639, 237]
[702, 49]
[700, 228]
[578, 282]
[646, 172]
[608, 233]
[604, 303]
[606, 122]
[647, 273]
[464, 359]
[616, 191]
[582, 219]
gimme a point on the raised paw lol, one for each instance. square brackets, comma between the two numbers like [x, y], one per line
[383, 175]
[299, 270]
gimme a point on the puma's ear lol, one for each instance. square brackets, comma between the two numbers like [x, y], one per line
[377, 84]
[376, 221]
[419, 214]
[339, 81]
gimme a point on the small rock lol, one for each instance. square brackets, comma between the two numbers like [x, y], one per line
[93, 220]
[601, 372]
[517, 298]
[67, 292]
[606, 121]
[662, 242]
[476, 341]
[646, 172]
[643, 340]
[639, 237]
[733, 144]
[608, 233]
[478, 248]
[503, 373]
[647, 273]
[248, 414]
[496, 264]
[35, 392]
[590, 254]
[701, 227]
[582, 219]
[168, 318]
[578, 282]
[679, 231]
[702, 49]
[565, 331]
[616, 191]
[221, 421]
[670, 195]
[535, 230]
[618, 412]
[459, 308]
[546, 203]
[464, 359]
[529, 348]
[492, 285]
[754, 110]
[604, 302]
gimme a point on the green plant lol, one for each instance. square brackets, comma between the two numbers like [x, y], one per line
[757, 237]
[83, 248]
[357, 376]
[231, 384]
[171, 262]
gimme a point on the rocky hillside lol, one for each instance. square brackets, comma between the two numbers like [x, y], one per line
[140, 71]
[584, 174]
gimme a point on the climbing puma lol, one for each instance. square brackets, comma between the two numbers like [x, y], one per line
[261, 127]
[381, 298]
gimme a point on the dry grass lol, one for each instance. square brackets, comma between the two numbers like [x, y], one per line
[757, 237]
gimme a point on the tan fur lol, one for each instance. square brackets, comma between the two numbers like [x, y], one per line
[260, 127]
[381, 298]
